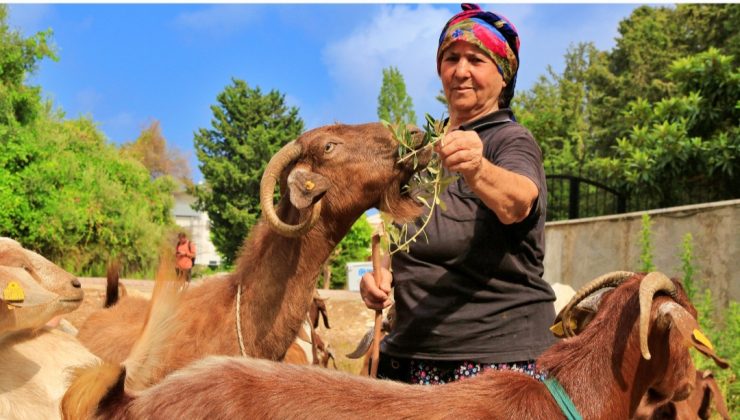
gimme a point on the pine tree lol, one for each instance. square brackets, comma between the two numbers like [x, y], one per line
[394, 104]
[248, 127]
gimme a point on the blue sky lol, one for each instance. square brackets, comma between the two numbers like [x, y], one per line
[128, 64]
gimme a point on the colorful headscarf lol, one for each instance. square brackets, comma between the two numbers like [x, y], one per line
[492, 33]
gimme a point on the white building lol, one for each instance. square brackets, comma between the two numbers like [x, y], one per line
[198, 227]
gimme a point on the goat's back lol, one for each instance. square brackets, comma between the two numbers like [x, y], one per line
[224, 387]
[36, 373]
[111, 333]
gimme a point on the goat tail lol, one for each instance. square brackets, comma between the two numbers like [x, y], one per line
[161, 324]
[112, 278]
[90, 388]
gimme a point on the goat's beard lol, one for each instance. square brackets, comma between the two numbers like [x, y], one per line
[402, 207]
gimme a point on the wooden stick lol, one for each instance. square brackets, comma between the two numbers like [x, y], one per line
[377, 334]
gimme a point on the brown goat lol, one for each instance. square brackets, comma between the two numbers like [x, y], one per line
[605, 370]
[309, 347]
[697, 405]
[329, 177]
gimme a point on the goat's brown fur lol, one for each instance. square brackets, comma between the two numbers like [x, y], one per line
[308, 347]
[601, 369]
[705, 399]
[277, 274]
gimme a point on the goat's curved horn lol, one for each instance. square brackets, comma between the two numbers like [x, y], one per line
[651, 284]
[283, 158]
[612, 279]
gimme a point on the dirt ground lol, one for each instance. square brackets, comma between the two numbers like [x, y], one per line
[349, 319]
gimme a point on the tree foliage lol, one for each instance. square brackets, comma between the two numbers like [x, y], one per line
[656, 117]
[20, 103]
[354, 247]
[248, 127]
[151, 149]
[394, 104]
[64, 190]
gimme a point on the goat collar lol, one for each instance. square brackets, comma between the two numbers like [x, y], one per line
[561, 397]
[239, 321]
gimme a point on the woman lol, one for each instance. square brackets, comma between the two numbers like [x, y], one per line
[472, 297]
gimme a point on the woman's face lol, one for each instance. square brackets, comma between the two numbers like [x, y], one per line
[471, 82]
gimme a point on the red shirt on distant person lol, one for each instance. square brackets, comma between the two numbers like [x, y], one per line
[185, 253]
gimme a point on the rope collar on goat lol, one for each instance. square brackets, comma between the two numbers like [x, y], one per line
[561, 397]
[239, 320]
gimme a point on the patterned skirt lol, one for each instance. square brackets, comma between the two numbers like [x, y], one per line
[434, 372]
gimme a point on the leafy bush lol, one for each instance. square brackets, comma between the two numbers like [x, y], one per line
[721, 325]
[79, 203]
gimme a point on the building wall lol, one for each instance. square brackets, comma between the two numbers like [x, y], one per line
[578, 251]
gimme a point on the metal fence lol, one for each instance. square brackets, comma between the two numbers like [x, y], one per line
[582, 194]
[572, 197]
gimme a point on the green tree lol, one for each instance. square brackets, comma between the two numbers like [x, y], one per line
[89, 204]
[710, 25]
[686, 145]
[558, 109]
[355, 246]
[656, 117]
[248, 127]
[19, 57]
[647, 45]
[80, 204]
[394, 104]
[64, 191]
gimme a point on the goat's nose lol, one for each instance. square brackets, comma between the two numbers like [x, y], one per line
[76, 283]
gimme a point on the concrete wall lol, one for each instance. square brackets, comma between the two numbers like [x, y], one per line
[581, 250]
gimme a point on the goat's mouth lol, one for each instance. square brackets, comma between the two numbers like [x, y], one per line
[69, 304]
[416, 159]
[71, 300]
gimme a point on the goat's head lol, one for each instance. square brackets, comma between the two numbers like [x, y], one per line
[675, 316]
[341, 171]
[65, 287]
[667, 326]
[316, 310]
[31, 307]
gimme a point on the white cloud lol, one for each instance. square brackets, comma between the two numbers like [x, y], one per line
[401, 36]
[218, 20]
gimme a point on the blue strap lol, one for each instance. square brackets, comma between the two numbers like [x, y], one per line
[561, 397]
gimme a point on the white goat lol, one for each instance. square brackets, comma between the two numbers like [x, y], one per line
[35, 359]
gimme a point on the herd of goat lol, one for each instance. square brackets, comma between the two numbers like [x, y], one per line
[244, 344]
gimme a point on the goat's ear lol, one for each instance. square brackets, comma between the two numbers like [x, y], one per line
[689, 329]
[582, 314]
[322, 311]
[305, 186]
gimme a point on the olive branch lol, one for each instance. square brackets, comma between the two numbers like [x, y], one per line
[426, 186]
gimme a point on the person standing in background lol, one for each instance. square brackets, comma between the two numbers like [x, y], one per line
[184, 256]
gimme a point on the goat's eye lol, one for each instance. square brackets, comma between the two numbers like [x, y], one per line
[328, 147]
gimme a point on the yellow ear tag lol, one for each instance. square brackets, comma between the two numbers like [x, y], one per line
[700, 337]
[557, 329]
[13, 292]
[309, 185]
